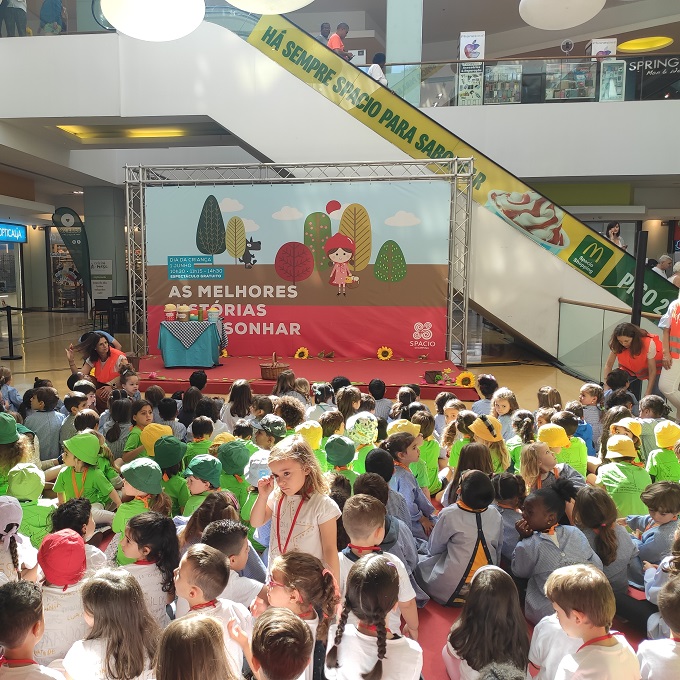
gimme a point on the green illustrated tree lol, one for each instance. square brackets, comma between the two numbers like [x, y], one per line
[390, 265]
[356, 224]
[317, 232]
[210, 229]
[235, 238]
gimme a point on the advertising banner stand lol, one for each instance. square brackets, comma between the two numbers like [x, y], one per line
[343, 258]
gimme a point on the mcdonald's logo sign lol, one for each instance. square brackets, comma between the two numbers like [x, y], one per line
[590, 256]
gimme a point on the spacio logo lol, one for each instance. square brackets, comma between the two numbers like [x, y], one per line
[422, 335]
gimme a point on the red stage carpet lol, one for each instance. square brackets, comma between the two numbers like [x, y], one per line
[395, 372]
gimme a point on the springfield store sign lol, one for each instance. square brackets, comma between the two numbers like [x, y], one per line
[12, 233]
[656, 67]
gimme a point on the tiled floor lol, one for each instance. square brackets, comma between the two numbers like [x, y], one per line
[41, 339]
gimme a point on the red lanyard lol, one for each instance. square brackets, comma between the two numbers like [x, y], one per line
[145, 563]
[608, 636]
[211, 603]
[292, 526]
[6, 662]
[78, 492]
[365, 548]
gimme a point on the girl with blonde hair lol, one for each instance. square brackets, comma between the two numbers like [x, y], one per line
[295, 498]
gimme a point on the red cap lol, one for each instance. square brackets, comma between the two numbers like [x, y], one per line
[62, 557]
[339, 241]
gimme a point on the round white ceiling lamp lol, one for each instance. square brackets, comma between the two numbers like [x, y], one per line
[154, 20]
[556, 15]
[270, 6]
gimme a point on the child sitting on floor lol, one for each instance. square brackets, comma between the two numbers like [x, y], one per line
[653, 533]
[491, 627]
[545, 545]
[26, 484]
[661, 658]
[467, 535]
[203, 477]
[663, 462]
[585, 606]
[21, 627]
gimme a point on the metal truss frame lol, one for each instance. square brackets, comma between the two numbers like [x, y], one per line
[458, 172]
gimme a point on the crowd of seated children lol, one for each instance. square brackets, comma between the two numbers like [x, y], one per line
[328, 525]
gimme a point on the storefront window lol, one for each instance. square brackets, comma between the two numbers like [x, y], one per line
[10, 274]
[66, 290]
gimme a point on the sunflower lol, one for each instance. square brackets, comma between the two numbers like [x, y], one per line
[385, 353]
[301, 353]
[465, 379]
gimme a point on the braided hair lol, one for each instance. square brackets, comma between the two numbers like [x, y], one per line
[372, 591]
[14, 554]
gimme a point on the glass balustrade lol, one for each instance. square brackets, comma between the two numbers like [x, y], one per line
[584, 333]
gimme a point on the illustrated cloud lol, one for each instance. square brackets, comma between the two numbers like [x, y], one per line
[287, 213]
[402, 219]
[250, 225]
[230, 205]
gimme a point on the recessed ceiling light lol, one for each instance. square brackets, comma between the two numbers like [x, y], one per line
[78, 193]
[657, 42]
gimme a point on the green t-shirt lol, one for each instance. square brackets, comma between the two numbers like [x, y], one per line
[663, 464]
[496, 461]
[251, 446]
[320, 455]
[134, 441]
[514, 446]
[195, 448]
[419, 470]
[107, 469]
[126, 511]
[246, 509]
[176, 487]
[624, 482]
[429, 455]
[4, 482]
[36, 522]
[90, 484]
[239, 489]
[349, 474]
[194, 502]
[359, 463]
[454, 455]
[576, 456]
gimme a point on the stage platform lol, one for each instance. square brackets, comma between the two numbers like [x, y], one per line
[395, 373]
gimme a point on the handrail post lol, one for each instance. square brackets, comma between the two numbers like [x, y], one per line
[10, 336]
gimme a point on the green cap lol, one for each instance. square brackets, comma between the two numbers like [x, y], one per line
[168, 451]
[22, 429]
[234, 457]
[144, 475]
[8, 429]
[274, 426]
[339, 450]
[206, 468]
[84, 446]
[26, 482]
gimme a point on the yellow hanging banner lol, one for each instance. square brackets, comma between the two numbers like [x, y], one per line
[416, 134]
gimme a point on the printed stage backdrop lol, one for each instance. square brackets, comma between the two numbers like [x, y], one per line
[344, 267]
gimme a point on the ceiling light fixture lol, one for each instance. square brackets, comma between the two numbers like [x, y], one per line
[556, 15]
[270, 6]
[650, 44]
[154, 20]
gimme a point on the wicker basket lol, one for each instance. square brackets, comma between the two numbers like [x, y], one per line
[274, 370]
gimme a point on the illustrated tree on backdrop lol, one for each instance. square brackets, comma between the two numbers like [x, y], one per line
[210, 228]
[235, 238]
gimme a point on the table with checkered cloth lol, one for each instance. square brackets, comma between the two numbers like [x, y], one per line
[191, 343]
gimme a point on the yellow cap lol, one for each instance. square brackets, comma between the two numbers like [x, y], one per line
[311, 432]
[620, 446]
[223, 438]
[631, 424]
[553, 435]
[403, 425]
[667, 434]
[487, 428]
[151, 434]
